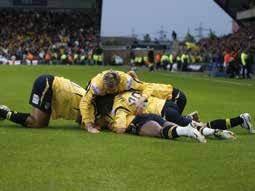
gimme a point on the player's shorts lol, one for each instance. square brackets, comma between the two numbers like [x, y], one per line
[171, 113]
[41, 95]
[177, 94]
[179, 98]
[140, 120]
[169, 105]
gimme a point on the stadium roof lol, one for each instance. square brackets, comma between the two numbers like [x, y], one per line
[232, 7]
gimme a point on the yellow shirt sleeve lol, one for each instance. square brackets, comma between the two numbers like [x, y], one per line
[128, 83]
[120, 119]
[146, 89]
[95, 88]
[86, 108]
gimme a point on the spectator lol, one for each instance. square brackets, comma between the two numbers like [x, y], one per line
[46, 30]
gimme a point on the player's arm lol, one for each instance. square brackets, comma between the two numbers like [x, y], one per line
[146, 91]
[120, 120]
[87, 114]
[145, 88]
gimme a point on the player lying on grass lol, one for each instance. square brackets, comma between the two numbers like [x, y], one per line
[123, 109]
[154, 126]
[51, 97]
[164, 91]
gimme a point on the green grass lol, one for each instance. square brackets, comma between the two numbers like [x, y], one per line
[64, 158]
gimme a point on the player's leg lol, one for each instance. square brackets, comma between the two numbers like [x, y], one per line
[218, 133]
[180, 99]
[150, 129]
[172, 131]
[171, 113]
[40, 99]
[36, 119]
[244, 120]
[220, 127]
[155, 126]
[16, 117]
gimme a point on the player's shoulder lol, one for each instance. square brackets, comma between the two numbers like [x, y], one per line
[96, 84]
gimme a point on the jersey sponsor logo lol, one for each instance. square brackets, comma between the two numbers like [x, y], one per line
[35, 99]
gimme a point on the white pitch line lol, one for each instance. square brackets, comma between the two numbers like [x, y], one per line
[211, 79]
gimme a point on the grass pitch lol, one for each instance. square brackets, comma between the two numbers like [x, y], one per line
[64, 158]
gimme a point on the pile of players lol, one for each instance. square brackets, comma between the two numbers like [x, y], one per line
[120, 102]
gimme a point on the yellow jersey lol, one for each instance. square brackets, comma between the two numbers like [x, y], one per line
[96, 88]
[162, 91]
[66, 99]
[124, 109]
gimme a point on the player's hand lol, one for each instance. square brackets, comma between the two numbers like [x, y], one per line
[92, 130]
[140, 105]
[139, 109]
[89, 127]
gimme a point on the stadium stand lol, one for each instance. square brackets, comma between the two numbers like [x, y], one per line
[49, 35]
[241, 41]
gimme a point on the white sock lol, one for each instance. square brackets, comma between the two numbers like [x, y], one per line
[208, 131]
[182, 131]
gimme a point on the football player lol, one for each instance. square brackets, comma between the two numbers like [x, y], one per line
[51, 97]
[124, 106]
[110, 82]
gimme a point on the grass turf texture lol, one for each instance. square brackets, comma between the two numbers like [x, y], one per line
[63, 157]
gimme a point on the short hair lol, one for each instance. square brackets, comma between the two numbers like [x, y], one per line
[111, 79]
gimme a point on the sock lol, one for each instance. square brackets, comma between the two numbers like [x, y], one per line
[236, 121]
[181, 131]
[225, 123]
[205, 130]
[169, 132]
[17, 117]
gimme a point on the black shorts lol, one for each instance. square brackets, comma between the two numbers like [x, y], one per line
[41, 94]
[179, 98]
[175, 94]
[169, 104]
[140, 120]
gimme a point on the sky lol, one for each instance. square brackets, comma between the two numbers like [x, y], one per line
[124, 17]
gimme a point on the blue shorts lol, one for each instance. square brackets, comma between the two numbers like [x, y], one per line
[41, 95]
[140, 120]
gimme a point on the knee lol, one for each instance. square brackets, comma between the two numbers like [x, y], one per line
[32, 122]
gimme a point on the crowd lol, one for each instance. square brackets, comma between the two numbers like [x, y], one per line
[47, 36]
[232, 55]
[235, 52]
[71, 37]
